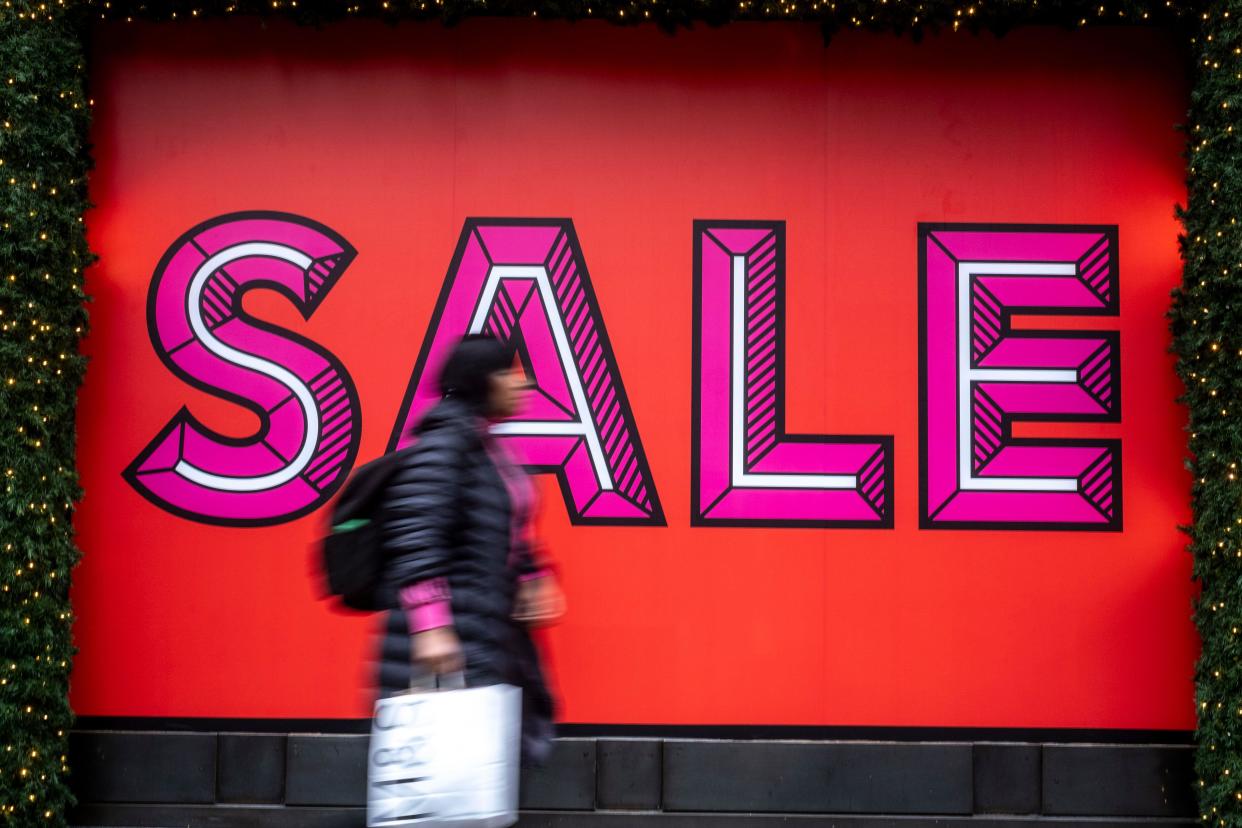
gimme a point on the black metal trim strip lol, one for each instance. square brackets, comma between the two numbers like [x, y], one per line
[657, 731]
[202, 816]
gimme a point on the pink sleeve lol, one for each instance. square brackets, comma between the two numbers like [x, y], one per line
[426, 605]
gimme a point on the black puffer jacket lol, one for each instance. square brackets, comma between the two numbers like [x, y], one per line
[447, 514]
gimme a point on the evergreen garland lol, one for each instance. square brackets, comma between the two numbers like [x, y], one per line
[43, 164]
[1206, 314]
[912, 17]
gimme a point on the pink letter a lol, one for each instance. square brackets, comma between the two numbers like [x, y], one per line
[525, 280]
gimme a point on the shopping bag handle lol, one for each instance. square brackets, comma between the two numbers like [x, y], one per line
[432, 682]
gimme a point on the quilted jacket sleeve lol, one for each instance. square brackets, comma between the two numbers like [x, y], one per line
[421, 508]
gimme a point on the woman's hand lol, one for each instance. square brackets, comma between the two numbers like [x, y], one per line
[439, 651]
[539, 601]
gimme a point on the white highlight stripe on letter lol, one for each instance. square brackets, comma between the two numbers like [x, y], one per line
[257, 364]
[966, 376]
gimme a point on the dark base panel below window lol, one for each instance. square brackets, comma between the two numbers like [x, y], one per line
[190, 777]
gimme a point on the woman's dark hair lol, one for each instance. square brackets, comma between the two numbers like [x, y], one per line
[467, 373]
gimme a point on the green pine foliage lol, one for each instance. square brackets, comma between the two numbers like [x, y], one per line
[1208, 341]
[913, 17]
[43, 165]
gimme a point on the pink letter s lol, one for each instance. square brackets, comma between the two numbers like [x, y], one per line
[306, 403]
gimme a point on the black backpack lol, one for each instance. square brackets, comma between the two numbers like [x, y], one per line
[352, 553]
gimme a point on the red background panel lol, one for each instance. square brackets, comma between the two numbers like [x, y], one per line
[392, 136]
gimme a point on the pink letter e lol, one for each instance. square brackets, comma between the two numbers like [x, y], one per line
[981, 374]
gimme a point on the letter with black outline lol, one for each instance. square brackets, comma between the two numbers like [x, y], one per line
[307, 406]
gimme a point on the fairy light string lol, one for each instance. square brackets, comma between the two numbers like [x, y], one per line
[43, 253]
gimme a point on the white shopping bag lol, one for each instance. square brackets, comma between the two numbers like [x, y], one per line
[445, 758]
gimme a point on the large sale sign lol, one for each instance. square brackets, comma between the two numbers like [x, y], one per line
[836, 355]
